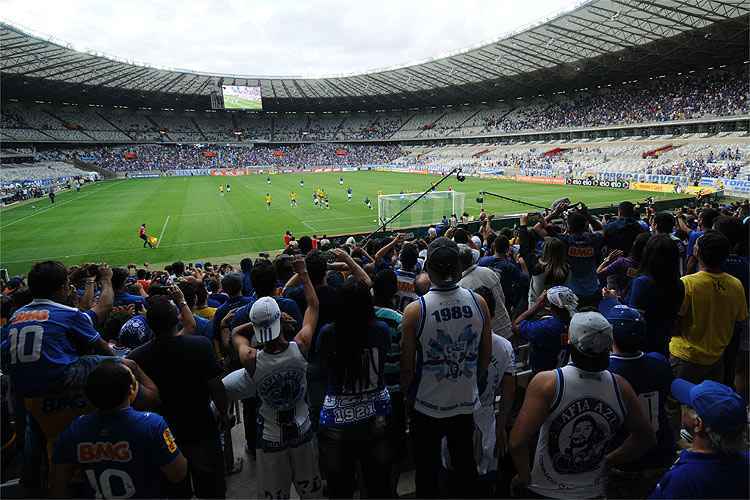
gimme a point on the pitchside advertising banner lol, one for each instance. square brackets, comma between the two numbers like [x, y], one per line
[731, 185]
[652, 186]
[598, 183]
[540, 179]
[670, 188]
[255, 169]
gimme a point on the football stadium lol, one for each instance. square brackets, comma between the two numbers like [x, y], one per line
[518, 270]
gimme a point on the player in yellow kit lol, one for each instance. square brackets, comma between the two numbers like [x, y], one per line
[292, 199]
[268, 201]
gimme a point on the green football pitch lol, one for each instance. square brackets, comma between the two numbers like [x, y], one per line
[194, 221]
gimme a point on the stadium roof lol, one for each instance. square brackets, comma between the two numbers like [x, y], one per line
[600, 40]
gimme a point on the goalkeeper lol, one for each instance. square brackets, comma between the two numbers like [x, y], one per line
[147, 240]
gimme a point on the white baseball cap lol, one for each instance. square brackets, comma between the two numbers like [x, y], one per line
[265, 316]
[590, 333]
[351, 241]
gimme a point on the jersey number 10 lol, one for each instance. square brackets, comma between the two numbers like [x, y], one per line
[20, 341]
[103, 486]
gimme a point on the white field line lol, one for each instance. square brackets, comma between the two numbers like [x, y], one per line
[164, 228]
[110, 252]
[175, 245]
[53, 205]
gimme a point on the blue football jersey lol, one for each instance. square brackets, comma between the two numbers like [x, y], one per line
[651, 378]
[120, 454]
[43, 340]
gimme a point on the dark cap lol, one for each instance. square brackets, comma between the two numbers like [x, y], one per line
[15, 282]
[627, 323]
[442, 255]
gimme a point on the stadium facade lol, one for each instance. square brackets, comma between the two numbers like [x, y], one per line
[599, 43]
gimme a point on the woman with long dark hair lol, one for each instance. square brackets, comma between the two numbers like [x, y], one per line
[551, 269]
[658, 292]
[357, 406]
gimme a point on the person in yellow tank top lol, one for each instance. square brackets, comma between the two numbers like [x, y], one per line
[714, 303]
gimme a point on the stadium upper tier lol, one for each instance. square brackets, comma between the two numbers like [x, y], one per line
[598, 42]
[706, 93]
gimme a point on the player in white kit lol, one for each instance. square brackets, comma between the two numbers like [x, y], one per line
[447, 332]
[277, 369]
[576, 410]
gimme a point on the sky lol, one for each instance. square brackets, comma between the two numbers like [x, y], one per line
[276, 37]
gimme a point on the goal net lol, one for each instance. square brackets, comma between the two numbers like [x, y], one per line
[428, 210]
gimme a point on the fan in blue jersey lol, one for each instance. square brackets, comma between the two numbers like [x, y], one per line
[46, 337]
[45, 344]
[716, 465]
[651, 378]
[121, 452]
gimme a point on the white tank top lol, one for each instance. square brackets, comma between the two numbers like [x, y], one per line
[448, 337]
[586, 414]
[281, 381]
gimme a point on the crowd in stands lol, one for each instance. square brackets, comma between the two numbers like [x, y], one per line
[665, 99]
[574, 356]
[692, 160]
[163, 157]
[23, 181]
[725, 163]
[705, 94]
[688, 160]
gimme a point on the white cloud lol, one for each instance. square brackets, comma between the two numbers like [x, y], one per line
[276, 37]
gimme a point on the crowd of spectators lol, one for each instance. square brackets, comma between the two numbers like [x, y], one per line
[704, 94]
[677, 97]
[570, 357]
[727, 162]
[165, 157]
[691, 160]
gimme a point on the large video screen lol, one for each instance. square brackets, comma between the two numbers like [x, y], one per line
[240, 97]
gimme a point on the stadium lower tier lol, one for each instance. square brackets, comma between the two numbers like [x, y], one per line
[218, 218]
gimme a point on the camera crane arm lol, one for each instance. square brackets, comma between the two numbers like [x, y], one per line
[382, 227]
[489, 193]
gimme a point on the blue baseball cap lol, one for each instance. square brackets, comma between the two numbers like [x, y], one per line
[717, 405]
[627, 322]
[15, 282]
[135, 332]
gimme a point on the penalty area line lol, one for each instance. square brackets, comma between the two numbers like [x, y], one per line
[164, 228]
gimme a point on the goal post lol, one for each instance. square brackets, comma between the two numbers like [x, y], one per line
[429, 210]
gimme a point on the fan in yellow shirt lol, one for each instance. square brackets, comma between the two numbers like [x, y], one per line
[714, 303]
